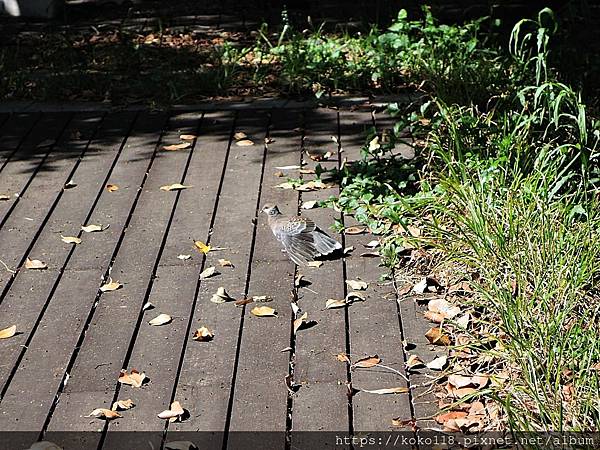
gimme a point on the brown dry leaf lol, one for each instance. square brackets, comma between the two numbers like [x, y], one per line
[225, 263]
[307, 171]
[460, 381]
[342, 357]
[319, 156]
[111, 286]
[413, 362]
[8, 332]
[187, 137]
[357, 285]
[316, 264]
[435, 336]
[300, 321]
[122, 405]
[263, 311]
[174, 187]
[463, 321]
[367, 362]
[174, 413]
[202, 247]
[4, 197]
[244, 143]
[394, 390]
[92, 228]
[103, 413]
[240, 135]
[134, 378]
[161, 319]
[203, 334]
[208, 272]
[313, 186]
[459, 392]
[434, 317]
[332, 303]
[452, 415]
[70, 239]
[180, 146]
[243, 301]
[35, 264]
[221, 296]
[279, 174]
[438, 363]
[400, 422]
[112, 187]
[441, 306]
[309, 204]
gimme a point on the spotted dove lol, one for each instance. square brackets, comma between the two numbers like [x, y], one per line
[301, 238]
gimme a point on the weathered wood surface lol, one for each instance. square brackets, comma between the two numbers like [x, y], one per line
[73, 339]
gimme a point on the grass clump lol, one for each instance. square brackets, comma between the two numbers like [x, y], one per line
[506, 200]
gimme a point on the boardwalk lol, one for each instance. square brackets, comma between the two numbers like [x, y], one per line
[73, 340]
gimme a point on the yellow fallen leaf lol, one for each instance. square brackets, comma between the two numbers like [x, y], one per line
[112, 187]
[35, 264]
[8, 332]
[299, 322]
[202, 247]
[134, 378]
[92, 228]
[187, 137]
[394, 390]
[225, 263]
[263, 311]
[110, 286]
[161, 319]
[203, 334]
[208, 272]
[174, 187]
[180, 146]
[174, 413]
[122, 405]
[244, 143]
[103, 413]
[70, 239]
[342, 357]
[367, 362]
[221, 296]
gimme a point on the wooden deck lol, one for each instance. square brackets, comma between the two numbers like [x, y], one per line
[73, 339]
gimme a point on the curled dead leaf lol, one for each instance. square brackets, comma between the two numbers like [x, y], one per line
[240, 135]
[70, 185]
[367, 362]
[184, 257]
[161, 319]
[187, 137]
[357, 285]
[133, 378]
[316, 264]
[35, 264]
[342, 357]
[92, 228]
[436, 336]
[263, 311]
[122, 405]
[332, 303]
[299, 322]
[70, 239]
[225, 263]
[202, 247]
[203, 334]
[174, 414]
[103, 413]
[110, 286]
[208, 272]
[221, 296]
[434, 317]
[8, 332]
[112, 187]
[413, 362]
[174, 187]
[244, 143]
[175, 147]
[452, 415]
[441, 306]
[438, 363]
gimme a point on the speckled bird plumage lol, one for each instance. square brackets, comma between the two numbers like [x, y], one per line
[301, 238]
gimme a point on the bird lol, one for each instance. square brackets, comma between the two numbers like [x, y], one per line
[302, 240]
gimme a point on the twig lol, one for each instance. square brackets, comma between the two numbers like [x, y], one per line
[6, 267]
[393, 370]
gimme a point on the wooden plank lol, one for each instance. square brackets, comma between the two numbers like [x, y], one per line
[260, 397]
[29, 290]
[204, 384]
[322, 377]
[105, 347]
[174, 287]
[59, 332]
[29, 215]
[14, 132]
[24, 164]
[374, 324]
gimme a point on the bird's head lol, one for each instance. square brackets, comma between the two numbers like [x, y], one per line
[270, 210]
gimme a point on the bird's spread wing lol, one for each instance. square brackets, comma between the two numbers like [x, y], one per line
[296, 235]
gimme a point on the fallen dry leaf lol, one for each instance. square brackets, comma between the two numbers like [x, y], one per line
[244, 143]
[313, 186]
[4, 197]
[434, 317]
[174, 187]
[225, 263]
[187, 137]
[357, 285]
[452, 415]
[240, 135]
[438, 363]
[413, 362]
[180, 146]
[299, 322]
[35, 264]
[122, 405]
[92, 228]
[70, 239]
[441, 306]
[70, 185]
[112, 187]
[463, 321]
[221, 296]
[262, 298]
[332, 303]
[174, 413]
[355, 296]
[202, 247]
[459, 392]
[309, 204]
[8, 332]
[134, 378]
[400, 422]
[367, 362]
[161, 319]
[394, 390]
[269, 140]
[316, 264]
[460, 381]
[203, 334]
[437, 337]
[372, 244]
[208, 272]
[111, 286]
[342, 357]
[103, 413]
[243, 301]
[184, 257]
[263, 311]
